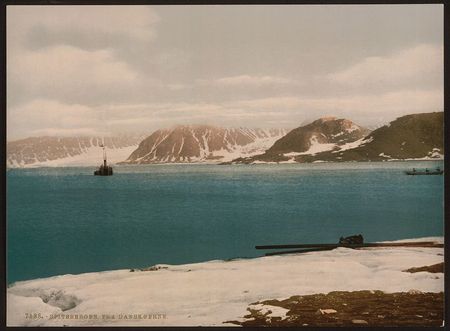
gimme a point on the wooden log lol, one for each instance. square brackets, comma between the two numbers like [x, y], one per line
[301, 251]
[401, 244]
[329, 248]
[297, 246]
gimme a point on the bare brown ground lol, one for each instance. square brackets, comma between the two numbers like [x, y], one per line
[358, 308]
[435, 268]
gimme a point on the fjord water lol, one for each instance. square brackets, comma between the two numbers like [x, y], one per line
[65, 220]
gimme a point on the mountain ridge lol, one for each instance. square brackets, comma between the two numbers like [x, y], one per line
[414, 136]
[68, 151]
[202, 143]
[327, 139]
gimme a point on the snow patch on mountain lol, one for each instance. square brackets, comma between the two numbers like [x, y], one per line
[353, 144]
[314, 148]
[317, 147]
[234, 151]
[89, 157]
[69, 151]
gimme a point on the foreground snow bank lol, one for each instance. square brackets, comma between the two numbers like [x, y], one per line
[212, 292]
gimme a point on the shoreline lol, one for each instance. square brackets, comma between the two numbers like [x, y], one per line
[211, 293]
[158, 266]
[224, 163]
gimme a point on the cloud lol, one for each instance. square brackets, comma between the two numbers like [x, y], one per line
[50, 117]
[55, 118]
[420, 66]
[77, 54]
[59, 132]
[66, 65]
[243, 80]
[271, 103]
[86, 69]
[69, 74]
[408, 101]
[90, 27]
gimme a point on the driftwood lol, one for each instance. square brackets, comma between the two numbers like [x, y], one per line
[398, 244]
[301, 251]
[324, 247]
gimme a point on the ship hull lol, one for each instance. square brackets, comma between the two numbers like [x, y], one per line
[419, 173]
[104, 171]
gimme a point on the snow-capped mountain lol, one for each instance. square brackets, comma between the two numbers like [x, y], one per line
[322, 134]
[203, 143]
[416, 136]
[69, 151]
[327, 133]
[410, 137]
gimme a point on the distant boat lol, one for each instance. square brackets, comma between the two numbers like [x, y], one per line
[104, 169]
[436, 171]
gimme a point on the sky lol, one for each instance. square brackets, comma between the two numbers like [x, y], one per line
[102, 70]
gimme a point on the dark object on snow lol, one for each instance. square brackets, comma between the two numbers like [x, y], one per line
[104, 169]
[303, 250]
[352, 240]
[381, 244]
[356, 242]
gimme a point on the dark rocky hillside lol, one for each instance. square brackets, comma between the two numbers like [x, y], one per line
[324, 131]
[202, 143]
[416, 136]
[408, 137]
[323, 134]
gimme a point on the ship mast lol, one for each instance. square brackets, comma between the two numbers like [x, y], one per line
[104, 155]
[104, 169]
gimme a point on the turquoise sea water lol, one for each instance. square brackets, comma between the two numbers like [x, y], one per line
[65, 220]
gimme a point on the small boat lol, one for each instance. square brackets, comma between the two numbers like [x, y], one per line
[437, 171]
[104, 169]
